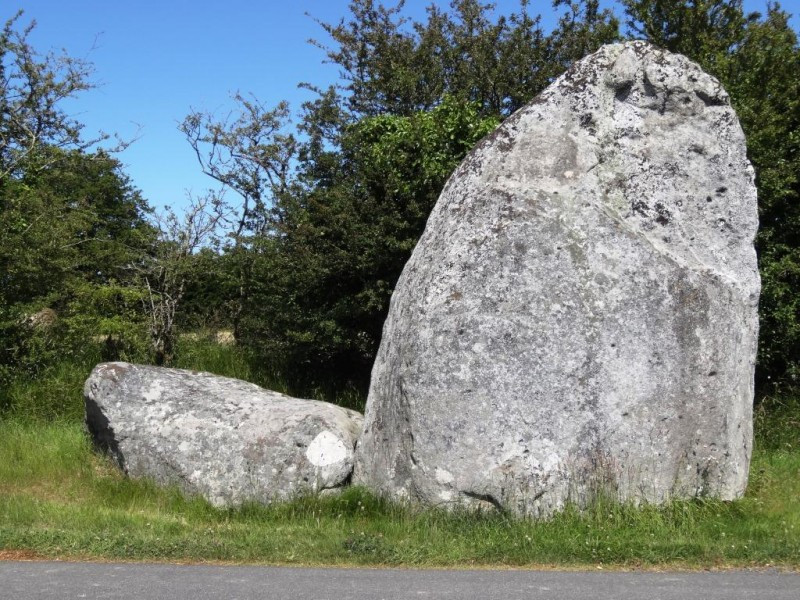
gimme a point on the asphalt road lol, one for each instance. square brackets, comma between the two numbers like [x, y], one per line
[61, 580]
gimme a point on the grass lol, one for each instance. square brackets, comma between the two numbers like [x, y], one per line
[204, 354]
[56, 393]
[59, 499]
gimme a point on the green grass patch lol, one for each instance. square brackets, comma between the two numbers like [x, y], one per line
[56, 392]
[58, 498]
[203, 353]
[53, 394]
[777, 423]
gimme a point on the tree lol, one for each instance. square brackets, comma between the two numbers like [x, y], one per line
[322, 284]
[70, 220]
[336, 215]
[71, 215]
[249, 153]
[391, 66]
[377, 150]
[701, 29]
[165, 273]
[32, 93]
[581, 30]
[246, 151]
[63, 210]
[69, 233]
[763, 78]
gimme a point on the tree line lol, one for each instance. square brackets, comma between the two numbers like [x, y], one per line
[299, 249]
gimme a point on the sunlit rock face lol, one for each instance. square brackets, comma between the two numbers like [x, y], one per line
[579, 317]
[224, 439]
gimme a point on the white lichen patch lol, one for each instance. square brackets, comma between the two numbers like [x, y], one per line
[326, 449]
[153, 393]
[443, 477]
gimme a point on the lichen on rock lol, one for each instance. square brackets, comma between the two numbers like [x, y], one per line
[227, 440]
[580, 314]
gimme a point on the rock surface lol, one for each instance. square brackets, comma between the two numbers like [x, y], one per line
[579, 316]
[225, 439]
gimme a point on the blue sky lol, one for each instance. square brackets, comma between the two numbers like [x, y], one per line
[155, 60]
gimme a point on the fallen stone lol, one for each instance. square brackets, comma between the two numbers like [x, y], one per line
[224, 439]
[579, 317]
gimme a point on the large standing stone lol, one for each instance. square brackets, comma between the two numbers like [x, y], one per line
[579, 316]
[224, 439]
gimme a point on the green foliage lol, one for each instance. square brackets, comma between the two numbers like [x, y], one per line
[55, 393]
[210, 294]
[108, 313]
[777, 424]
[321, 289]
[33, 92]
[411, 157]
[69, 215]
[379, 150]
[702, 29]
[764, 82]
[416, 97]
[69, 230]
[71, 223]
[393, 66]
[372, 168]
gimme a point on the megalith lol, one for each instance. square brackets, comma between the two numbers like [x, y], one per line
[226, 440]
[580, 314]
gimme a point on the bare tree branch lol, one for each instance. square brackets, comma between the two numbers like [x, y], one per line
[165, 272]
[33, 88]
[248, 152]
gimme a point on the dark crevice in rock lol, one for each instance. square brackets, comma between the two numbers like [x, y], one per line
[664, 216]
[347, 481]
[486, 498]
[710, 100]
[623, 91]
[649, 88]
